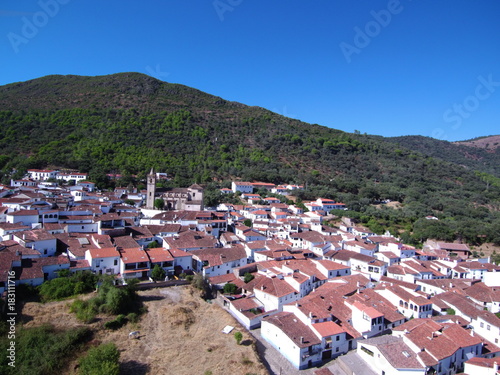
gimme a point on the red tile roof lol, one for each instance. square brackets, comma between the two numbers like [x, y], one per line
[326, 329]
[107, 252]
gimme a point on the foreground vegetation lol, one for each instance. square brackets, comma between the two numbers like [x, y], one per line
[68, 284]
[42, 350]
[112, 300]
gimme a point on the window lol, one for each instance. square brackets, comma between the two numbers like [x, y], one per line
[116, 262]
[367, 351]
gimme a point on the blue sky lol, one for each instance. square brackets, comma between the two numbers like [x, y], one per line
[407, 67]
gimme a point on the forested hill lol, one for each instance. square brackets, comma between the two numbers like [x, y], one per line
[482, 154]
[130, 122]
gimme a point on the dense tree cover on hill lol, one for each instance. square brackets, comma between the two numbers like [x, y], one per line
[474, 158]
[127, 123]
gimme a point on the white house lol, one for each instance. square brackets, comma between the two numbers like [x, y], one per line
[26, 217]
[134, 263]
[442, 347]
[75, 176]
[104, 261]
[41, 174]
[482, 366]
[38, 239]
[244, 187]
[409, 303]
[390, 355]
[218, 261]
[293, 339]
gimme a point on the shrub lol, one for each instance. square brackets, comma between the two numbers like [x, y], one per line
[158, 273]
[202, 284]
[67, 285]
[189, 278]
[230, 288]
[84, 310]
[43, 350]
[117, 301]
[133, 317]
[101, 360]
[248, 277]
[111, 300]
[238, 336]
[117, 323]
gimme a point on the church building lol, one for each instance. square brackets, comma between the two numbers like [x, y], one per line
[188, 199]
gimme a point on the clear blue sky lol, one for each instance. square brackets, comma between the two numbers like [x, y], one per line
[390, 68]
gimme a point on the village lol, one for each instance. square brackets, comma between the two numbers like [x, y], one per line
[340, 297]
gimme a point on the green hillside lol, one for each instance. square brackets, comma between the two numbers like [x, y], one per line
[461, 153]
[129, 122]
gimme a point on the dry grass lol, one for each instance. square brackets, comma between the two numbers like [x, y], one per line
[487, 249]
[180, 334]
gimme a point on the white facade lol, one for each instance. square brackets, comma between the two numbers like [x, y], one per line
[106, 265]
[299, 357]
[81, 228]
[39, 174]
[244, 187]
[272, 302]
[487, 330]
[28, 219]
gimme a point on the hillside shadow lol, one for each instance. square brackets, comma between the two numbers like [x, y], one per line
[134, 368]
[151, 298]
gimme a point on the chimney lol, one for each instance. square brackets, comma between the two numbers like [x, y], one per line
[472, 332]
[301, 339]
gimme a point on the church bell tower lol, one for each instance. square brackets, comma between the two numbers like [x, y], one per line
[151, 190]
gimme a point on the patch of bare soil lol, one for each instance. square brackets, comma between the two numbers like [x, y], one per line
[487, 249]
[180, 334]
[490, 143]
